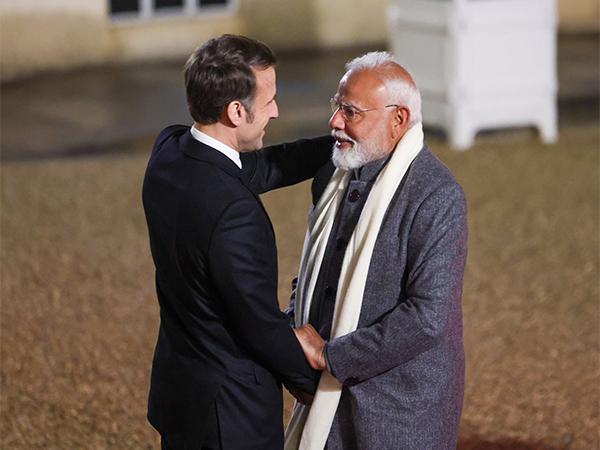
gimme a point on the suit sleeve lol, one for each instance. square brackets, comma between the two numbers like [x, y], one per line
[245, 272]
[290, 312]
[285, 164]
[436, 261]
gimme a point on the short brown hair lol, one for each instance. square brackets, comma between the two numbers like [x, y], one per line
[220, 71]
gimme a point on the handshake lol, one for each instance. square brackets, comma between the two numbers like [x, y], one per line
[313, 347]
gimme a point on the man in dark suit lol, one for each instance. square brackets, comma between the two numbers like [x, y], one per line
[381, 277]
[224, 347]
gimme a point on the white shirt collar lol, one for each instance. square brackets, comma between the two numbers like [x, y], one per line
[217, 145]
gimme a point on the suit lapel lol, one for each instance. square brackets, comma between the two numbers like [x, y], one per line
[202, 152]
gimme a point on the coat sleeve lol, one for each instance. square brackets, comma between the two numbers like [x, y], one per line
[285, 164]
[434, 276]
[245, 272]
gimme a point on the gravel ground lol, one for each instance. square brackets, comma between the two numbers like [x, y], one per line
[79, 316]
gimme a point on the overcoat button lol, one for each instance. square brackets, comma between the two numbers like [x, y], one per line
[354, 195]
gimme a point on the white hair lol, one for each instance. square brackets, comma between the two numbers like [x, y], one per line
[402, 91]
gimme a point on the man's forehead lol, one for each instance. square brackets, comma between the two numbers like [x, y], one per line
[266, 82]
[360, 85]
[265, 76]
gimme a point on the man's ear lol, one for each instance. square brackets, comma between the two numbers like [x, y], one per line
[402, 115]
[235, 113]
[401, 120]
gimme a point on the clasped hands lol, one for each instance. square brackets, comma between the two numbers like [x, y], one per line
[313, 347]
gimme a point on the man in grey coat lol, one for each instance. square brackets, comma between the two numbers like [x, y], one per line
[377, 307]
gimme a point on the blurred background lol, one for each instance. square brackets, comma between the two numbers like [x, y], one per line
[87, 85]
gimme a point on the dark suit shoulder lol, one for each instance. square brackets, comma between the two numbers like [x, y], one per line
[173, 129]
[188, 191]
[216, 183]
[168, 132]
[212, 191]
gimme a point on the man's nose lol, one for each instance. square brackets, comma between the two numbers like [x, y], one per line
[275, 112]
[337, 120]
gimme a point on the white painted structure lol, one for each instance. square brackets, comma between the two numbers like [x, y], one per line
[480, 64]
[46, 35]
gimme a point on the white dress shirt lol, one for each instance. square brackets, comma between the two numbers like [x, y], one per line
[232, 154]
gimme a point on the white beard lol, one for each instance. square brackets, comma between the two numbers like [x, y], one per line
[357, 156]
[349, 159]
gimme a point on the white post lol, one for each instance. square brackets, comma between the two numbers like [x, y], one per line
[146, 10]
[189, 7]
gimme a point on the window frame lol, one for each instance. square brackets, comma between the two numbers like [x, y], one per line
[190, 8]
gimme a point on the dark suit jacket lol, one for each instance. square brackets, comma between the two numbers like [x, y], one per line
[223, 345]
[402, 370]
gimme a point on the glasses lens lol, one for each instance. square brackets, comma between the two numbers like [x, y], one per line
[348, 112]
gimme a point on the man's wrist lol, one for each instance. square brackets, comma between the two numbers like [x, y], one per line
[326, 360]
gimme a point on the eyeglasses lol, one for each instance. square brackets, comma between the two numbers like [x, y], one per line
[349, 112]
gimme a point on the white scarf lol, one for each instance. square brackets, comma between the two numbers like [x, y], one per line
[309, 427]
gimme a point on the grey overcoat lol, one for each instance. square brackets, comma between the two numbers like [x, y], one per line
[402, 370]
